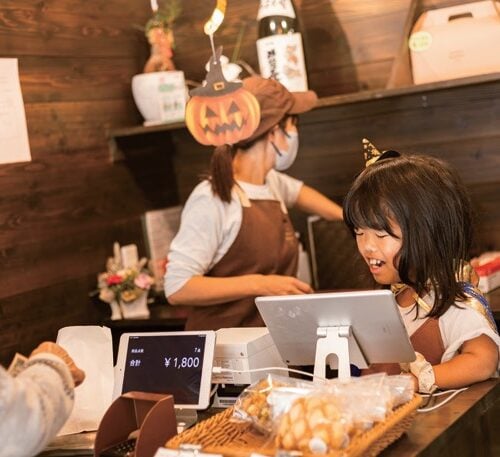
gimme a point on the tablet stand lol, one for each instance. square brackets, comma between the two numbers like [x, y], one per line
[152, 415]
[335, 340]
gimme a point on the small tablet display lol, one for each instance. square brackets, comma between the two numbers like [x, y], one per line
[177, 363]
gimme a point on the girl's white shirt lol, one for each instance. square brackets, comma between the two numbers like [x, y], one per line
[457, 325]
[209, 226]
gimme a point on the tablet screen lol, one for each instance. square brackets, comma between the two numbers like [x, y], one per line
[178, 363]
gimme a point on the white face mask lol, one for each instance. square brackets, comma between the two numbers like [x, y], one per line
[285, 158]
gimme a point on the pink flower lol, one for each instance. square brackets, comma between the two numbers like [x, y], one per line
[113, 280]
[143, 281]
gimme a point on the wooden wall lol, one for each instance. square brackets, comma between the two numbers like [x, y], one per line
[61, 213]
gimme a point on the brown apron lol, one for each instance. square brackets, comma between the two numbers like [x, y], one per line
[266, 244]
[426, 339]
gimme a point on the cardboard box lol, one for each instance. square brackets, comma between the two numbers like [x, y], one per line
[456, 42]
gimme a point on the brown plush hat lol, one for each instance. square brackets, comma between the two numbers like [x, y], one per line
[276, 101]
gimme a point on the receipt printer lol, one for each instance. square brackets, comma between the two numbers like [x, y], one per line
[245, 348]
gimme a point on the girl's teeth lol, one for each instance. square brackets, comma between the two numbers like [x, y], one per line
[375, 262]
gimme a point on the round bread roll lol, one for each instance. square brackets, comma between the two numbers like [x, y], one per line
[313, 424]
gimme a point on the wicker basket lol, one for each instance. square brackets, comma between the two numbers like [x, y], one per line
[220, 435]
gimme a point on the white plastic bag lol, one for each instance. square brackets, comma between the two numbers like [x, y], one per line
[91, 348]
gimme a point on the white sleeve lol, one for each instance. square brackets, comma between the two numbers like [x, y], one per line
[34, 405]
[288, 188]
[458, 325]
[194, 248]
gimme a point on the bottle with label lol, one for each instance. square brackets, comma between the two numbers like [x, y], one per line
[279, 47]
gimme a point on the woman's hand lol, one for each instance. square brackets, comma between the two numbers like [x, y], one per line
[53, 348]
[281, 285]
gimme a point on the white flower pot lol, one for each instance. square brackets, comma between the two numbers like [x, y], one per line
[135, 309]
[160, 96]
[116, 313]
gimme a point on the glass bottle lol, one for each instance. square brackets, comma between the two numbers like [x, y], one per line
[279, 47]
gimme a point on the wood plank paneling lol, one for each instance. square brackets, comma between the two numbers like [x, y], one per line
[52, 28]
[31, 317]
[62, 79]
[61, 213]
[69, 126]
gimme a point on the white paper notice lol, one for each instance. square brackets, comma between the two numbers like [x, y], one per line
[14, 144]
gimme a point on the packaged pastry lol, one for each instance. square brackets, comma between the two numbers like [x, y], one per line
[320, 418]
[261, 402]
[314, 424]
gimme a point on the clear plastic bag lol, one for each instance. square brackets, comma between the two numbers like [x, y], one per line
[320, 418]
[253, 404]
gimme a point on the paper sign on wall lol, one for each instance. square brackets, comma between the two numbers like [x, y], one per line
[14, 143]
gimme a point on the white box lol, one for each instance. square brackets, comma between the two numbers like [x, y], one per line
[244, 349]
[490, 282]
[487, 266]
[455, 42]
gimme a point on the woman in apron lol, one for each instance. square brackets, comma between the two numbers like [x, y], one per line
[236, 241]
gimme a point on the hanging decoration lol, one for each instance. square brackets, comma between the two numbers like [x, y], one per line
[220, 112]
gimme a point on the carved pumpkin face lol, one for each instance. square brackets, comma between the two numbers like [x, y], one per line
[221, 112]
[225, 119]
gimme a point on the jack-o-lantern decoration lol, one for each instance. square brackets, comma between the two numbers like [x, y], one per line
[221, 112]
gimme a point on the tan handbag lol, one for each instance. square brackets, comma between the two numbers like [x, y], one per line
[456, 42]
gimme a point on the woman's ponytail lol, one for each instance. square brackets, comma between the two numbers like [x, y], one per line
[221, 172]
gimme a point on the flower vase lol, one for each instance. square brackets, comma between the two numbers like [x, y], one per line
[116, 313]
[135, 309]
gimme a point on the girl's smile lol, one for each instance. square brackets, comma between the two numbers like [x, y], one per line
[380, 251]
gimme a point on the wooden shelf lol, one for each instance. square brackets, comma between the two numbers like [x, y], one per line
[325, 102]
[379, 94]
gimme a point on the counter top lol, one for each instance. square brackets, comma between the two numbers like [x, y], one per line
[467, 425]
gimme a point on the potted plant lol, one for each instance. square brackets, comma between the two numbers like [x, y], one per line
[159, 92]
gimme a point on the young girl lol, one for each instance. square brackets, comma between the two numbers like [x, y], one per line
[412, 220]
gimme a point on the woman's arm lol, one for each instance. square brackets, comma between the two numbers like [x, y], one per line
[203, 290]
[312, 201]
[476, 361]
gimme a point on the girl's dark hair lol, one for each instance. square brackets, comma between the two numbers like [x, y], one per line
[221, 167]
[428, 200]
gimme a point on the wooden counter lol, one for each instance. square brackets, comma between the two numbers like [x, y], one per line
[466, 426]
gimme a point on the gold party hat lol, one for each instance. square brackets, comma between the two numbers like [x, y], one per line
[372, 154]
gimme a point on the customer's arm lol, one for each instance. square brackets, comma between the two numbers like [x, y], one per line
[35, 404]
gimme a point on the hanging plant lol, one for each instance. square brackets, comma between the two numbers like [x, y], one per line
[160, 35]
